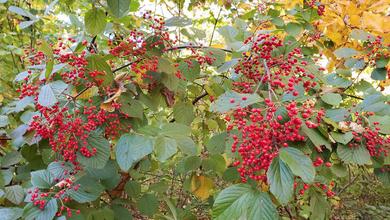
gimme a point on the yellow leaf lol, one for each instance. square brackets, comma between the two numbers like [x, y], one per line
[264, 187]
[385, 83]
[201, 186]
[373, 21]
[221, 46]
[245, 6]
[290, 3]
[88, 93]
[1, 98]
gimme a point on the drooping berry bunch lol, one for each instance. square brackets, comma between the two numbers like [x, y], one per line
[369, 137]
[264, 130]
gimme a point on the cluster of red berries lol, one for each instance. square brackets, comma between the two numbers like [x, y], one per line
[364, 135]
[319, 161]
[327, 189]
[320, 7]
[263, 131]
[262, 67]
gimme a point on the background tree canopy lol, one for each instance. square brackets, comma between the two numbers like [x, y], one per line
[128, 109]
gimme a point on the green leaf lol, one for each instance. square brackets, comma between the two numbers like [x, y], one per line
[277, 21]
[282, 111]
[11, 158]
[119, 8]
[335, 80]
[345, 52]
[316, 137]
[107, 172]
[183, 113]
[102, 146]
[131, 148]
[97, 62]
[170, 81]
[227, 65]
[189, 163]
[14, 194]
[281, 180]
[361, 35]
[231, 175]
[101, 214]
[383, 176]
[332, 98]
[42, 179]
[320, 208]
[95, 21]
[382, 62]
[379, 74]
[216, 54]
[32, 212]
[132, 107]
[21, 12]
[229, 33]
[134, 5]
[224, 102]
[355, 155]
[217, 143]
[11, 213]
[293, 29]
[339, 170]
[121, 213]
[59, 170]
[300, 164]
[190, 69]
[164, 148]
[215, 163]
[133, 188]
[175, 130]
[241, 201]
[384, 123]
[89, 190]
[3, 121]
[46, 96]
[177, 22]
[343, 138]
[49, 67]
[337, 115]
[148, 204]
[187, 146]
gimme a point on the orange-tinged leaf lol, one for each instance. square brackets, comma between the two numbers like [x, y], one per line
[107, 107]
[201, 186]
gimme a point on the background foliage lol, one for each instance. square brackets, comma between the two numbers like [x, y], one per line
[164, 146]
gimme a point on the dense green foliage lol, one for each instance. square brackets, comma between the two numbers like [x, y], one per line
[125, 109]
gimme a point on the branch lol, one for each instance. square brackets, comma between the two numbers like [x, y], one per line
[348, 184]
[215, 25]
[172, 49]
[353, 96]
[122, 67]
[269, 78]
[196, 47]
[197, 99]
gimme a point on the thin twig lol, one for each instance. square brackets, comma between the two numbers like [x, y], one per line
[196, 47]
[215, 26]
[348, 184]
[269, 77]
